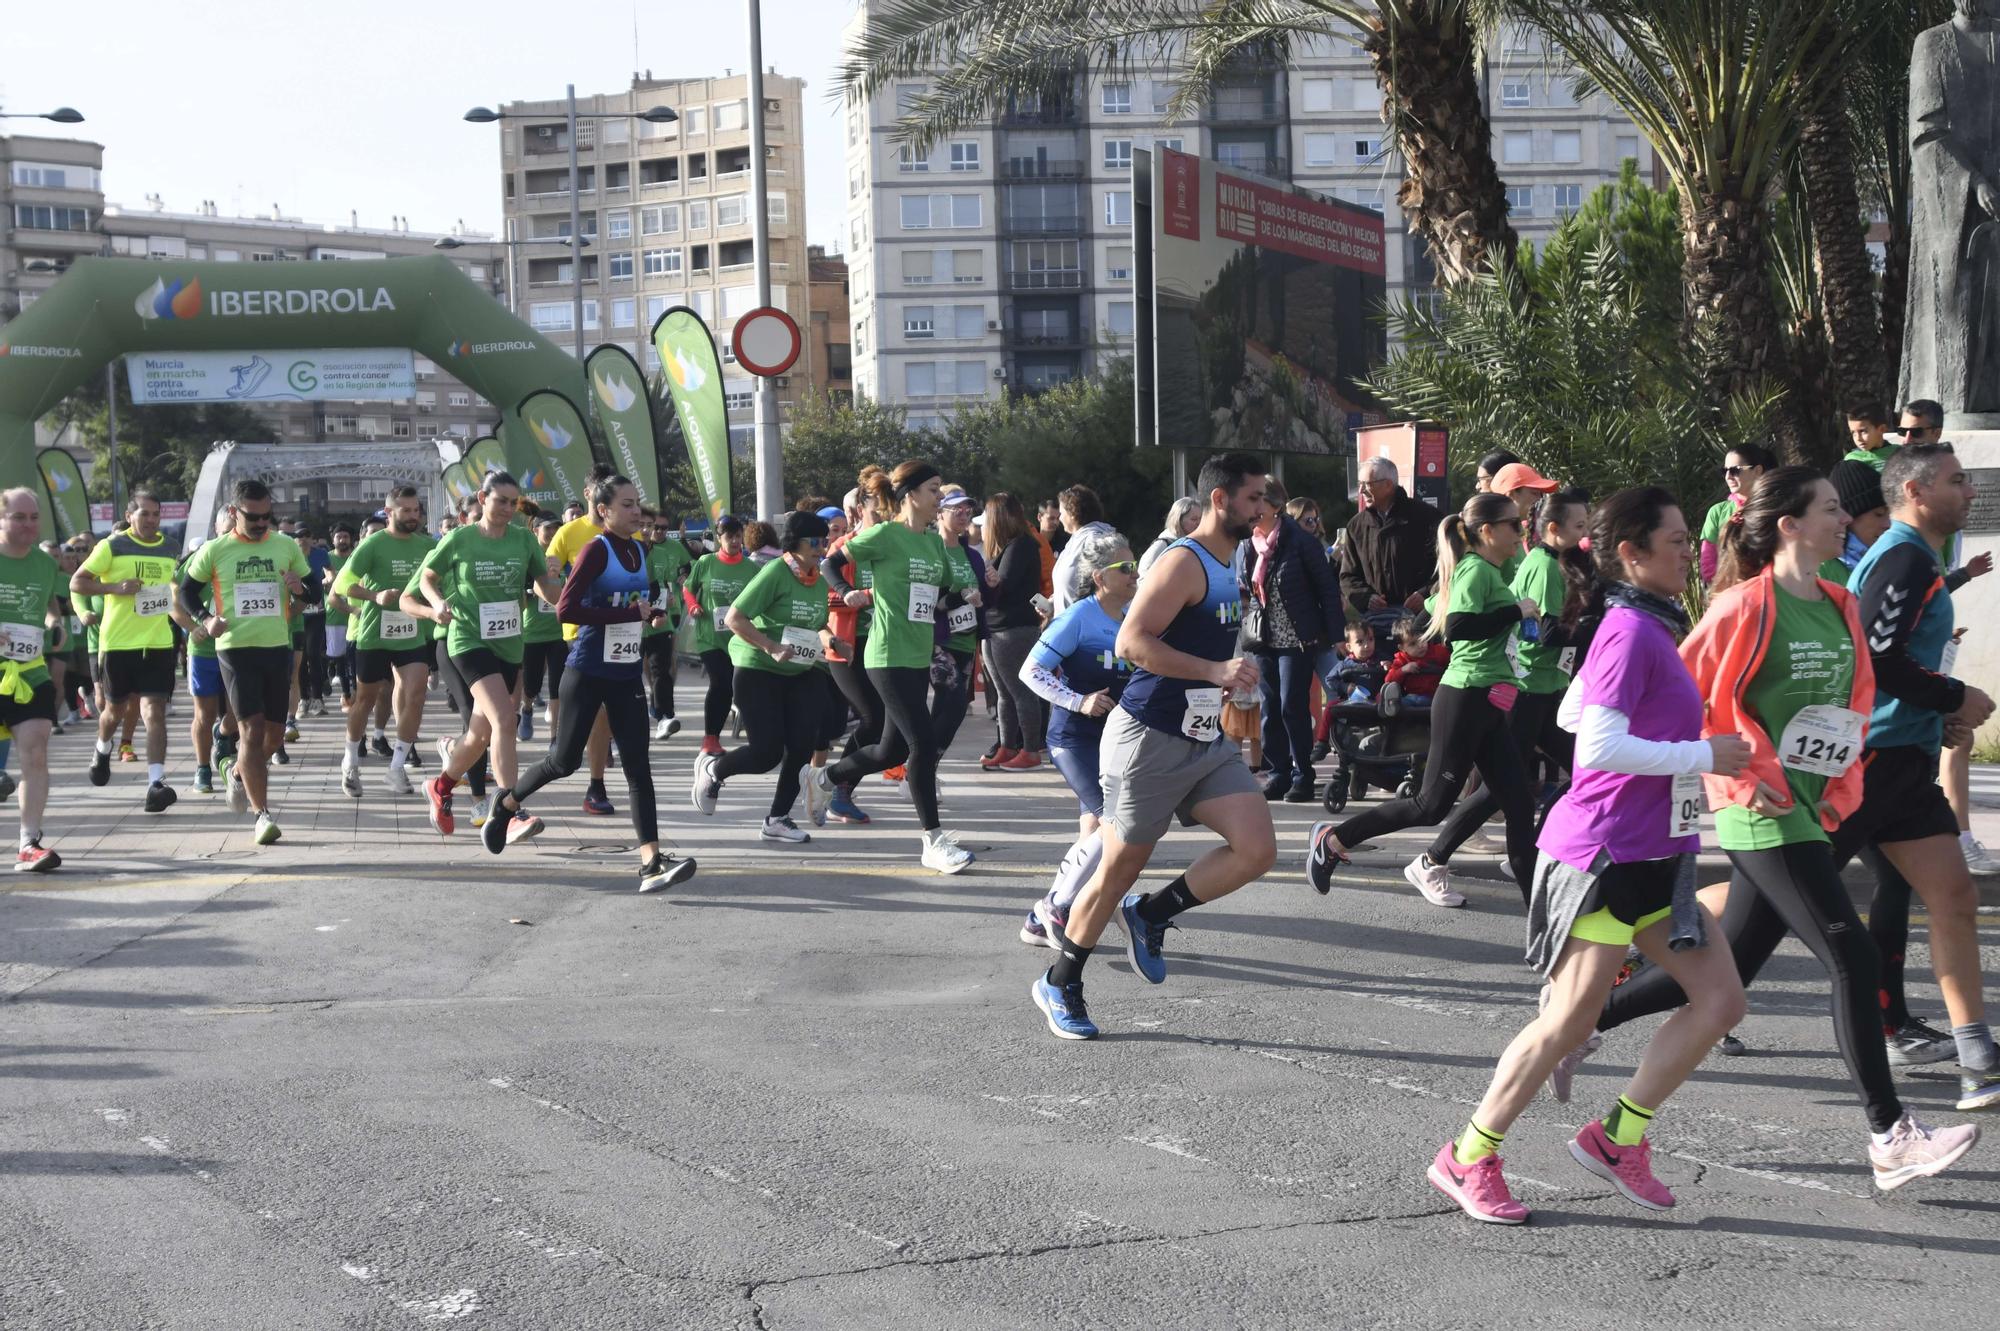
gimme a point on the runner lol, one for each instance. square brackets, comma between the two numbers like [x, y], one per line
[605, 596]
[777, 640]
[471, 584]
[1779, 660]
[849, 691]
[667, 564]
[1617, 867]
[252, 575]
[571, 539]
[909, 568]
[542, 645]
[1076, 669]
[1469, 714]
[213, 729]
[1163, 753]
[339, 651]
[712, 586]
[390, 644]
[957, 630]
[29, 621]
[134, 572]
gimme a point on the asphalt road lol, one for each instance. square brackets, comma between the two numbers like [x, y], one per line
[369, 1079]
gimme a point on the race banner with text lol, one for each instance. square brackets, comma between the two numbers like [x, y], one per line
[372, 374]
[624, 412]
[694, 382]
[562, 439]
[66, 492]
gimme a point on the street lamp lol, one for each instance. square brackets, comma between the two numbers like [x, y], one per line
[571, 242]
[658, 115]
[62, 115]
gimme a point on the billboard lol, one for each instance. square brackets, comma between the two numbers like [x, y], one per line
[362, 374]
[1265, 317]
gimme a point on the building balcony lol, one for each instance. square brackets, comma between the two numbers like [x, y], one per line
[37, 240]
[1040, 117]
[1046, 280]
[1246, 111]
[1042, 226]
[1022, 169]
[1263, 164]
[1071, 341]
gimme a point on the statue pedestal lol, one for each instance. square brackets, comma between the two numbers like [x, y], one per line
[1978, 602]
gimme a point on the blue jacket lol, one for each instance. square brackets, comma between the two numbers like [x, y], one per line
[1299, 574]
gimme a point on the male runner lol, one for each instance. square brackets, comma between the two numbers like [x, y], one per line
[30, 582]
[134, 573]
[391, 645]
[213, 730]
[339, 656]
[1163, 751]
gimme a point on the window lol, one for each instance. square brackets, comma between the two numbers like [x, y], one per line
[906, 160]
[459, 398]
[426, 401]
[228, 256]
[397, 430]
[1117, 99]
[1364, 95]
[1517, 146]
[43, 217]
[664, 220]
[615, 130]
[1044, 325]
[1568, 198]
[619, 267]
[1122, 324]
[624, 312]
[1320, 149]
[698, 215]
[917, 268]
[1628, 147]
[970, 378]
[731, 116]
[1567, 146]
[965, 155]
[730, 210]
[696, 119]
[1316, 96]
[655, 307]
[1370, 199]
[738, 395]
[927, 211]
[968, 321]
[1520, 201]
[551, 316]
[775, 209]
[1046, 265]
[702, 303]
[1118, 207]
[1519, 38]
[1163, 95]
[53, 175]
[618, 225]
[968, 267]
[663, 263]
[1174, 144]
[1118, 263]
[907, 96]
[920, 378]
[1513, 92]
[1118, 154]
[739, 301]
[919, 322]
[1365, 150]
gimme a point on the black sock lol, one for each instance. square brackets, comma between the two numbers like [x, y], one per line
[1069, 965]
[1169, 901]
[476, 778]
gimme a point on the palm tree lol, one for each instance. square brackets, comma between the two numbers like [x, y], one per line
[1716, 86]
[1826, 154]
[983, 57]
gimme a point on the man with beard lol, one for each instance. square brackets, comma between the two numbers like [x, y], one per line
[390, 644]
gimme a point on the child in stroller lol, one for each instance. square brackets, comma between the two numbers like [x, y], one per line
[1379, 735]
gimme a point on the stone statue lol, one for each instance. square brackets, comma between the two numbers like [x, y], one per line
[1951, 333]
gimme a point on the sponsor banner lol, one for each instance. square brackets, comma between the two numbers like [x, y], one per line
[171, 510]
[69, 505]
[561, 438]
[459, 482]
[1291, 223]
[694, 381]
[1180, 212]
[363, 374]
[624, 413]
[487, 454]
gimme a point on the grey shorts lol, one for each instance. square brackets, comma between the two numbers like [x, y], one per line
[1149, 776]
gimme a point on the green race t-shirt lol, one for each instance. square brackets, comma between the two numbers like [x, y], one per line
[1876, 458]
[1540, 580]
[776, 600]
[1476, 587]
[91, 632]
[384, 562]
[716, 584]
[1835, 572]
[954, 605]
[247, 588]
[911, 575]
[28, 584]
[538, 621]
[133, 623]
[1719, 514]
[199, 644]
[482, 578]
[1810, 662]
[667, 563]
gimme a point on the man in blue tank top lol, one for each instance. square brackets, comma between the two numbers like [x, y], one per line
[1163, 752]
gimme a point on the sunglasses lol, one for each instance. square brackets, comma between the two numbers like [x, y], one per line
[248, 516]
[1739, 470]
[1518, 524]
[1123, 566]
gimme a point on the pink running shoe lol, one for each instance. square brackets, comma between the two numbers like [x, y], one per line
[1626, 1168]
[1480, 1190]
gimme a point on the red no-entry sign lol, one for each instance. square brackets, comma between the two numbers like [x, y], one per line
[766, 341]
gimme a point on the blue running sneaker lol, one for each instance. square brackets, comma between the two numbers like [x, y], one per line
[1143, 940]
[845, 809]
[524, 727]
[1068, 1018]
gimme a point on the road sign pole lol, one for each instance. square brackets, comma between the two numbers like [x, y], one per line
[770, 459]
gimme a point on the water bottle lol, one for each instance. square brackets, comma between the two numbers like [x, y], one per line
[1531, 630]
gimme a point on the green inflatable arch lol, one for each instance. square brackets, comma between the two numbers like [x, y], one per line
[103, 308]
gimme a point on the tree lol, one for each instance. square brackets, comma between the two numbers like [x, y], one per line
[160, 447]
[829, 443]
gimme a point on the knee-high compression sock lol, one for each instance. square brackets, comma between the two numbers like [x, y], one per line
[1169, 901]
[1476, 1143]
[1627, 1122]
[1077, 868]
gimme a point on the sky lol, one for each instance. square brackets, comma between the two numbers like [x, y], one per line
[326, 109]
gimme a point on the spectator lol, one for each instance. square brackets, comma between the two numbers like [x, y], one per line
[1049, 519]
[1923, 422]
[1181, 519]
[1418, 665]
[1013, 561]
[1292, 603]
[1389, 558]
[1082, 511]
[1867, 422]
[1355, 677]
[1489, 467]
[1742, 466]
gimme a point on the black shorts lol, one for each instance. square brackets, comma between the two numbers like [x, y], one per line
[461, 672]
[1633, 890]
[41, 705]
[258, 681]
[377, 665]
[1901, 800]
[298, 640]
[146, 671]
[97, 669]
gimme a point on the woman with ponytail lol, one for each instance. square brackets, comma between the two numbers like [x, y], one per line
[1480, 615]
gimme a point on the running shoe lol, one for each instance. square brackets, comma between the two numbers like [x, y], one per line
[1054, 921]
[818, 792]
[845, 809]
[126, 755]
[6, 786]
[943, 853]
[1978, 1090]
[397, 779]
[1731, 1047]
[267, 830]
[784, 829]
[597, 801]
[204, 780]
[1025, 761]
[1978, 859]
[350, 779]
[1917, 1044]
[159, 797]
[524, 826]
[736, 723]
[1563, 1075]
[666, 727]
[1434, 881]
[1915, 1151]
[664, 871]
[1068, 1018]
[444, 748]
[482, 809]
[439, 790]
[895, 775]
[100, 769]
[232, 781]
[998, 758]
[225, 745]
[1143, 939]
[1322, 858]
[524, 728]
[1626, 1168]
[493, 834]
[1479, 1189]
[36, 858]
[292, 730]
[282, 758]
[1032, 932]
[416, 755]
[380, 746]
[1321, 749]
[706, 788]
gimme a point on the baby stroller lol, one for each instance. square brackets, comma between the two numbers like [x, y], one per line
[1377, 743]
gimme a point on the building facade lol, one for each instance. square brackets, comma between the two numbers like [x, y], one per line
[51, 209]
[665, 213]
[827, 331]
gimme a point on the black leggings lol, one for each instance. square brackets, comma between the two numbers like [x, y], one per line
[833, 709]
[1532, 723]
[909, 737]
[1793, 889]
[660, 671]
[1889, 926]
[855, 686]
[539, 659]
[781, 715]
[721, 674]
[624, 702]
[1467, 731]
[950, 700]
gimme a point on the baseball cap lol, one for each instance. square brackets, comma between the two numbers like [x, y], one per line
[830, 512]
[1520, 476]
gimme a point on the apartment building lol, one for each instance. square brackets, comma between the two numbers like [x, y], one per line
[1002, 259]
[51, 204]
[665, 214]
[827, 331]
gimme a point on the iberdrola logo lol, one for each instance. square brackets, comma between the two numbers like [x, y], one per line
[536, 479]
[686, 373]
[552, 436]
[613, 391]
[58, 481]
[163, 301]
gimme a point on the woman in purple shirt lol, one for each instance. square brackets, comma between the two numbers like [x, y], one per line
[1617, 867]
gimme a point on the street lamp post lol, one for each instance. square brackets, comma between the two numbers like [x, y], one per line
[62, 115]
[577, 243]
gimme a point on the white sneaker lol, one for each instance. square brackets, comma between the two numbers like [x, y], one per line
[818, 792]
[735, 722]
[239, 794]
[705, 787]
[1977, 858]
[943, 853]
[784, 829]
[1915, 1151]
[350, 779]
[660, 730]
[444, 747]
[397, 779]
[481, 811]
[1434, 881]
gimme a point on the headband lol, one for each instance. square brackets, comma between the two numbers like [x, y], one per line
[916, 479]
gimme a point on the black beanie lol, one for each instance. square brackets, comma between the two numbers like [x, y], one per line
[1859, 486]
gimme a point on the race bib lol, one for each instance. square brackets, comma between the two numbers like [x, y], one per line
[256, 600]
[962, 619]
[923, 603]
[20, 642]
[398, 627]
[721, 619]
[621, 643]
[1202, 718]
[1822, 740]
[1567, 661]
[499, 619]
[1684, 812]
[1949, 657]
[804, 644]
[151, 601]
